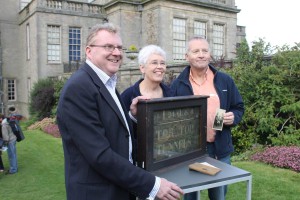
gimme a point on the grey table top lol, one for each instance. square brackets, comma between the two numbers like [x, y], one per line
[185, 178]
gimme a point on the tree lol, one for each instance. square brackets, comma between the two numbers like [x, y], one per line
[270, 90]
[42, 98]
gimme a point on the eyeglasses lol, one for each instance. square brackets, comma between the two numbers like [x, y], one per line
[156, 63]
[108, 47]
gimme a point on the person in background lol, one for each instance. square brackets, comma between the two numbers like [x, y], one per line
[10, 140]
[97, 131]
[152, 62]
[14, 115]
[201, 78]
[1, 145]
[1, 162]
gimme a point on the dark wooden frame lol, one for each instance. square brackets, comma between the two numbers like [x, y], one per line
[145, 129]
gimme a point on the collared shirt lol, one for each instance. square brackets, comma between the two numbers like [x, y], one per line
[110, 84]
[213, 102]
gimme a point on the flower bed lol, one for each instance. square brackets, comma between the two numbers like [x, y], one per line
[47, 125]
[41, 124]
[284, 157]
[52, 129]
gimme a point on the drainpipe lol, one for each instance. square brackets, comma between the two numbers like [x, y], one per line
[1, 79]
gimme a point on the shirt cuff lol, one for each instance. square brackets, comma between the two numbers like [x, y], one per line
[155, 189]
[132, 117]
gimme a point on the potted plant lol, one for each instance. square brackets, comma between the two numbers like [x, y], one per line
[132, 52]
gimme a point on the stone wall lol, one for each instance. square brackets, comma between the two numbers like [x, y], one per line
[141, 23]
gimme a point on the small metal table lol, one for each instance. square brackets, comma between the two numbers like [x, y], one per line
[191, 181]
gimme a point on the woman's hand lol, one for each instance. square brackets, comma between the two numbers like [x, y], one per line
[134, 102]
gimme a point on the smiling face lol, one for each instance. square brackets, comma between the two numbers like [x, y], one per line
[198, 54]
[107, 61]
[154, 69]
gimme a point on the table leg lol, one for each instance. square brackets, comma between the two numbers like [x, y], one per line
[249, 188]
[199, 195]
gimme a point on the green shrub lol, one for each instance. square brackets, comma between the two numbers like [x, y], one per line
[270, 90]
[287, 139]
[247, 154]
[42, 98]
[58, 85]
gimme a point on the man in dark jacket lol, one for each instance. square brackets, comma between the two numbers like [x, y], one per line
[201, 78]
[97, 133]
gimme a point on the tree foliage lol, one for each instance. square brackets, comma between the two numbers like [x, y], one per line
[58, 85]
[270, 89]
[42, 98]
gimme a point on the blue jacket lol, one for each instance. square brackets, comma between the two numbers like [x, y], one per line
[134, 91]
[230, 100]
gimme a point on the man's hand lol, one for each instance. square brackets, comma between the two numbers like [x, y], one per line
[133, 106]
[168, 190]
[228, 118]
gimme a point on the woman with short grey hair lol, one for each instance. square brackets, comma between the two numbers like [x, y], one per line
[152, 63]
[148, 51]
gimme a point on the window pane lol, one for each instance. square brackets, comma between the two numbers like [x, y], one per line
[11, 89]
[74, 44]
[53, 47]
[200, 29]
[179, 38]
[218, 40]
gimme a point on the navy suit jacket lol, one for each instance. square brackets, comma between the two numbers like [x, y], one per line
[96, 143]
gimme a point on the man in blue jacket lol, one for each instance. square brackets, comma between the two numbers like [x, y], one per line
[201, 78]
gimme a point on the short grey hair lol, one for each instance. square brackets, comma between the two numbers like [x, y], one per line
[109, 27]
[196, 37]
[147, 51]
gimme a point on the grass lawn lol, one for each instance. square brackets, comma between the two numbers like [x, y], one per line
[41, 175]
[41, 170]
[268, 183]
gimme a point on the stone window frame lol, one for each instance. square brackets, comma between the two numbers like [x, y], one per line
[27, 41]
[11, 89]
[218, 40]
[199, 30]
[179, 38]
[53, 43]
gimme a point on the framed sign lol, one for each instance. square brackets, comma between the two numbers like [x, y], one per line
[171, 130]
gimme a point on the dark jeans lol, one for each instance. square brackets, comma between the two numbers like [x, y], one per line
[1, 163]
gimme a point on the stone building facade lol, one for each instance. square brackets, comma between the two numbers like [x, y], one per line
[46, 38]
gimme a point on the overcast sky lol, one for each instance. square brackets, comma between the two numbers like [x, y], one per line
[275, 21]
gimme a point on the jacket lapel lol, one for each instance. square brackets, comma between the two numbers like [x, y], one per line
[105, 93]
